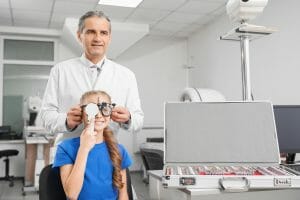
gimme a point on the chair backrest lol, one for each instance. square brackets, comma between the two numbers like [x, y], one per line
[152, 158]
[129, 187]
[50, 186]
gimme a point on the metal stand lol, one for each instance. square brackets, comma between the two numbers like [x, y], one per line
[244, 34]
[246, 81]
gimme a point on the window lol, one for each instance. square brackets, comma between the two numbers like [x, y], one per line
[26, 67]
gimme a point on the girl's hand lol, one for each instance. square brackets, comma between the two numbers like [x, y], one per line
[88, 136]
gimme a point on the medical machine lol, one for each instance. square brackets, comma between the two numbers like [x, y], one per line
[241, 12]
[191, 94]
[288, 130]
[288, 127]
[34, 104]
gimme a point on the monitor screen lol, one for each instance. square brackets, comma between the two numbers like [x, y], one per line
[5, 130]
[13, 112]
[287, 119]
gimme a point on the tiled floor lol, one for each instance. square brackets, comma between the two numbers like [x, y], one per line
[141, 189]
[15, 192]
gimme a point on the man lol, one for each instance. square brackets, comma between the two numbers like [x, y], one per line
[60, 112]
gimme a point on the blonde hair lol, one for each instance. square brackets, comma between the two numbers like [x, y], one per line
[111, 142]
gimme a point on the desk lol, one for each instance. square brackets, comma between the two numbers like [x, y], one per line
[156, 191]
[37, 156]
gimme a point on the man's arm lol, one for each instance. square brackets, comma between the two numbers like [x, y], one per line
[134, 106]
[132, 117]
[52, 120]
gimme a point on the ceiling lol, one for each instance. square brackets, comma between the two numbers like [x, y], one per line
[172, 18]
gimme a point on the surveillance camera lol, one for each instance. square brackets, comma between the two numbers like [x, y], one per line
[245, 10]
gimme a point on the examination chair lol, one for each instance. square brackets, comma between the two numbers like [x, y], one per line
[152, 160]
[50, 186]
[7, 153]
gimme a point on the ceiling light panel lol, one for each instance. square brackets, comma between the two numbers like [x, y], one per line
[122, 3]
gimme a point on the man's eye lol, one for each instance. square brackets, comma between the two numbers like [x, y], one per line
[104, 33]
[89, 32]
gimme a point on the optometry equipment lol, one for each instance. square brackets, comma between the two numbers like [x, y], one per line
[34, 104]
[201, 95]
[243, 11]
[93, 109]
[231, 146]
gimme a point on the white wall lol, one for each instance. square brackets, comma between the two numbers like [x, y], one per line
[274, 60]
[64, 52]
[158, 65]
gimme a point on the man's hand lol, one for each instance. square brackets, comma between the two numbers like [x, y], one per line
[74, 117]
[120, 114]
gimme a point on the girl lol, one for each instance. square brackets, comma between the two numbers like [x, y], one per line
[93, 166]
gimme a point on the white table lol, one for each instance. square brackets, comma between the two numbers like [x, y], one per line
[36, 136]
[156, 191]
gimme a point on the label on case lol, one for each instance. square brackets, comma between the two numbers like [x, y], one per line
[187, 181]
[282, 182]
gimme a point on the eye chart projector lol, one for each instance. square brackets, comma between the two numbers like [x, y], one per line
[241, 12]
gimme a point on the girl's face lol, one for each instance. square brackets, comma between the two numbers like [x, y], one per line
[101, 121]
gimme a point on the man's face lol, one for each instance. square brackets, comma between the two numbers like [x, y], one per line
[95, 37]
[100, 121]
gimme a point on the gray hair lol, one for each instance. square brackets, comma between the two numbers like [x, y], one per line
[89, 14]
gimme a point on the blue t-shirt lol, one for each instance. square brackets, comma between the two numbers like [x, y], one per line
[98, 181]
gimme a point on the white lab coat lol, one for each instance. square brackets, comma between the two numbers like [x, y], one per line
[70, 79]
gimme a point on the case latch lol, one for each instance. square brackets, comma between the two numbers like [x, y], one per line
[234, 184]
[187, 181]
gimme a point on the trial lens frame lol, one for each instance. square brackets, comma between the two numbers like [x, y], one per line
[104, 108]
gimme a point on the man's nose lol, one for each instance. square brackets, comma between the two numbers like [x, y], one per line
[97, 36]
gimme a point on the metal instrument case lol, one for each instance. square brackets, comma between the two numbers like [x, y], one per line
[222, 134]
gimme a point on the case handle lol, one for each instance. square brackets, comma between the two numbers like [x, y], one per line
[234, 184]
